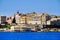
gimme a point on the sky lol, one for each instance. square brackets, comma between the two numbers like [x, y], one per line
[9, 7]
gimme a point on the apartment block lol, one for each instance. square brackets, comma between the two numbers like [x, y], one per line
[2, 19]
[54, 21]
[29, 18]
[33, 18]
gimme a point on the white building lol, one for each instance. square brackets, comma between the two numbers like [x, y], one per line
[54, 21]
[17, 18]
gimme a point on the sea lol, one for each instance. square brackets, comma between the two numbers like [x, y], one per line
[29, 35]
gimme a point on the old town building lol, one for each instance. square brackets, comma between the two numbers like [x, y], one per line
[2, 19]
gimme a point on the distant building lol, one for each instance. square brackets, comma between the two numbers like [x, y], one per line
[9, 20]
[29, 18]
[20, 18]
[53, 21]
[33, 18]
[45, 18]
[23, 19]
[17, 18]
[2, 19]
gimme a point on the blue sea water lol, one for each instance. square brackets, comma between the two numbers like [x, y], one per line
[29, 35]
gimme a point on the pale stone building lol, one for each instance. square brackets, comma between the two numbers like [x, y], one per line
[29, 18]
[17, 18]
[20, 18]
[9, 20]
[33, 18]
[23, 19]
[54, 21]
[44, 18]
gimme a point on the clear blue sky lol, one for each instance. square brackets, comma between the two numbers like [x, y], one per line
[8, 7]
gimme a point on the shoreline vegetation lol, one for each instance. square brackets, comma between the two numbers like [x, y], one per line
[48, 28]
[42, 30]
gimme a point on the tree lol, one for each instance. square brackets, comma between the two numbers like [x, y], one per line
[0, 24]
[14, 21]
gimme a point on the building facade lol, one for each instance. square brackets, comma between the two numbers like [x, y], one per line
[2, 19]
[33, 18]
[54, 21]
[29, 18]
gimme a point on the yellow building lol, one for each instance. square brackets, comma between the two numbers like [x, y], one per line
[9, 20]
[23, 19]
[29, 18]
[49, 22]
[20, 18]
[33, 18]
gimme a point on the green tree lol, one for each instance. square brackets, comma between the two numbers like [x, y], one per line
[7, 25]
[14, 21]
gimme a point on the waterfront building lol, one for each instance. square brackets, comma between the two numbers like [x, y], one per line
[29, 18]
[49, 22]
[33, 18]
[17, 17]
[20, 18]
[45, 18]
[9, 20]
[54, 21]
[2, 19]
[23, 19]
